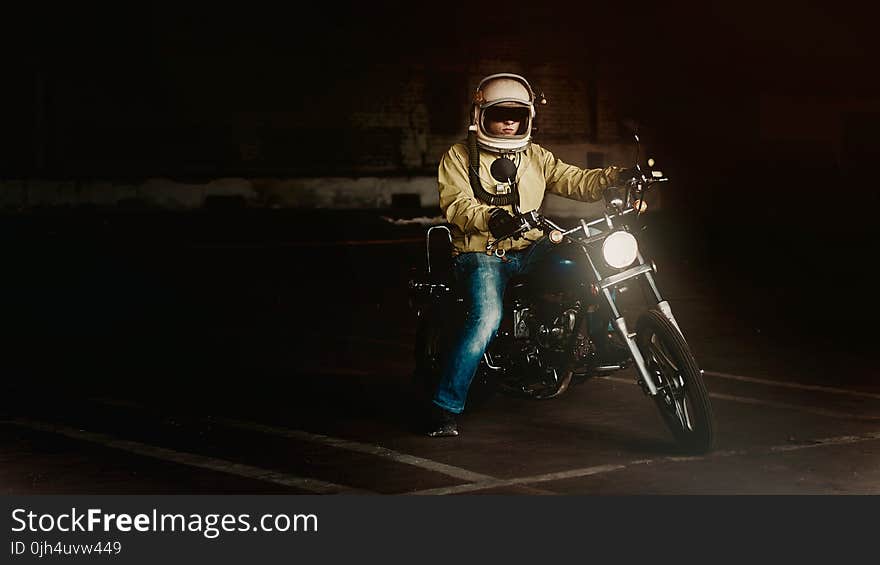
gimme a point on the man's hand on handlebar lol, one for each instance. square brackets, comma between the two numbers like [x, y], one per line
[614, 195]
[502, 224]
[626, 175]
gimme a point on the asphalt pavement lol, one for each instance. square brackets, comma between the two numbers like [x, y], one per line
[271, 352]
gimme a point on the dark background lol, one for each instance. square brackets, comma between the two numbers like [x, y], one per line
[135, 92]
[782, 224]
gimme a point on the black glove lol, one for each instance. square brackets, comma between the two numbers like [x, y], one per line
[502, 224]
[614, 195]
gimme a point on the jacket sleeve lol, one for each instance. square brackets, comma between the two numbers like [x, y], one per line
[586, 185]
[457, 199]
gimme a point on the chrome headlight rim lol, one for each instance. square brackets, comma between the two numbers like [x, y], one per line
[620, 249]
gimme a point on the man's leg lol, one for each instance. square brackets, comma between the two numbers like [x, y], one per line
[481, 279]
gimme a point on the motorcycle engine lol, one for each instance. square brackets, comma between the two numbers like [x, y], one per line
[545, 341]
[550, 331]
[557, 334]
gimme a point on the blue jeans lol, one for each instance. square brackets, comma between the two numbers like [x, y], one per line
[481, 280]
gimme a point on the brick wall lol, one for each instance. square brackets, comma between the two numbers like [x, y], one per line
[197, 103]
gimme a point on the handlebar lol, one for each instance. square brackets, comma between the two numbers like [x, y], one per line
[532, 220]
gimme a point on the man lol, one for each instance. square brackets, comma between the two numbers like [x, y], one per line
[479, 206]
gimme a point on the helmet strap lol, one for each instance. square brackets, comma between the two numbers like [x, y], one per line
[510, 199]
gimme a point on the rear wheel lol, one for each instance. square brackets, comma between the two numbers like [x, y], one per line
[428, 354]
[682, 398]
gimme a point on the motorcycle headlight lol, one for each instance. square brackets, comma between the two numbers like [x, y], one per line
[620, 249]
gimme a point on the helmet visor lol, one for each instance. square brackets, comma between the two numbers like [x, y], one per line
[507, 114]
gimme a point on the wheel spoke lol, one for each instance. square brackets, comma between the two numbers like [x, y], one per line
[666, 372]
[662, 355]
[677, 404]
[670, 375]
[685, 413]
[682, 398]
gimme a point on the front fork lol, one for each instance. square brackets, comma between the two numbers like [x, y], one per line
[620, 322]
[629, 339]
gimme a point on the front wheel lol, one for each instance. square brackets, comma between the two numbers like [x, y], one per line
[681, 394]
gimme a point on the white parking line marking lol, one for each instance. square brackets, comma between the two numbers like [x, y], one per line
[799, 408]
[824, 442]
[600, 469]
[783, 405]
[483, 482]
[789, 384]
[379, 451]
[193, 460]
[376, 450]
[521, 481]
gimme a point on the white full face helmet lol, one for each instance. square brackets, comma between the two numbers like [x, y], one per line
[503, 95]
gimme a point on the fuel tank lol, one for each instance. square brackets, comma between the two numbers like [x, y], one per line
[562, 269]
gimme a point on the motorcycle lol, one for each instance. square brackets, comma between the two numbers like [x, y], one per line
[560, 318]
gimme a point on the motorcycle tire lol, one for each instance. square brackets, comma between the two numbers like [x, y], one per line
[682, 398]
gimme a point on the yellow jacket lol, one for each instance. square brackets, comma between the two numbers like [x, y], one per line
[539, 171]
